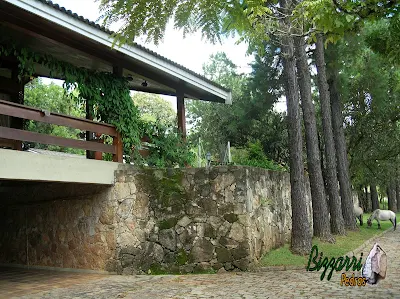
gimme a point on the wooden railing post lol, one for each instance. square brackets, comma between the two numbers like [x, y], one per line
[98, 155]
[117, 142]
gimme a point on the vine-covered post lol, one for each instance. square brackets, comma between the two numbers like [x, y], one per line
[180, 99]
[14, 88]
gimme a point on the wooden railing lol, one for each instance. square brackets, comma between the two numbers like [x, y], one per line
[25, 112]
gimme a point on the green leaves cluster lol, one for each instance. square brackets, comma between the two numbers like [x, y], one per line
[150, 17]
[371, 92]
[166, 147]
[52, 98]
[253, 155]
[154, 109]
[107, 94]
[250, 117]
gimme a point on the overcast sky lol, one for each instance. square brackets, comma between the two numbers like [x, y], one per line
[191, 52]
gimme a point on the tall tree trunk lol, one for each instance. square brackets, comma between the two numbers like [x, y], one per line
[301, 230]
[391, 193]
[360, 193]
[367, 200]
[374, 197]
[337, 222]
[340, 142]
[321, 226]
[398, 193]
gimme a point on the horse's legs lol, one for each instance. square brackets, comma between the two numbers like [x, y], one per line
[361, 220]
[379, 225]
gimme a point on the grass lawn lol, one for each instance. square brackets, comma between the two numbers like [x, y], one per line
[344, 244]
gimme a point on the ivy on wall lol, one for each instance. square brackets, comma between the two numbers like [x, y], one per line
[108, 93]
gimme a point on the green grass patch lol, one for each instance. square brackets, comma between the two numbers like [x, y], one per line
[344, 244]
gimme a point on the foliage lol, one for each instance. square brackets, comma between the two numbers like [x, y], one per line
[249, 117]
[108, 94]
[253, 155]
[154, 109]
[166, 148]
[383, 37]
[213, 121]
[52, 98]
[150, 17]
[335, 18]
[370, 87]
[371, 9]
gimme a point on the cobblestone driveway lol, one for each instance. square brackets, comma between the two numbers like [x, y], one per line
[273, 284]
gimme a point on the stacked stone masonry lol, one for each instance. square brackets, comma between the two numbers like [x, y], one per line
[156, 221]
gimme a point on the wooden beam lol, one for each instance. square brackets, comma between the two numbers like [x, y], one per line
[117, 70]
[21, 111]
[16, 134]
[180, 99]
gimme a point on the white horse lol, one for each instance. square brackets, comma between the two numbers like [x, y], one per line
[383, 215]
[358, 212]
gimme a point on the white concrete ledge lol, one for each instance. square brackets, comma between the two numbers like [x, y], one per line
[17, 165]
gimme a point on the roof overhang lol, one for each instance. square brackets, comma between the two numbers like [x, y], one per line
[85, 45]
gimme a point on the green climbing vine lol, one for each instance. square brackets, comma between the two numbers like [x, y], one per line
[108, 93]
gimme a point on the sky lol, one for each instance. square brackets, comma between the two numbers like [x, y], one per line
[191, 52]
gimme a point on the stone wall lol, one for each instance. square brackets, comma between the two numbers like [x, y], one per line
[194, 220]
[150, 221]
[74, 232]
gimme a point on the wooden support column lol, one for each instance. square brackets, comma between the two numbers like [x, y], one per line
[89, 135]
[14, 89]
[180, 99]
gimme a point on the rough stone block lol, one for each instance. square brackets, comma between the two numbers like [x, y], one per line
[229, 266]
[224, 228]
[209, 231]
[237, 232]
[228, 243]
[223, 255]
[121, 191]
[185, 221]
[202, 251]
[242, 264]
[167, 239]
[241, 251]
[231, 218]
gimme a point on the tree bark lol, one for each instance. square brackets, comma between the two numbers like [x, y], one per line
[374, 197]
[321, 226]
[337, 221]
[398, 194]
[340, 145]
[391, 194]
[301, 232]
